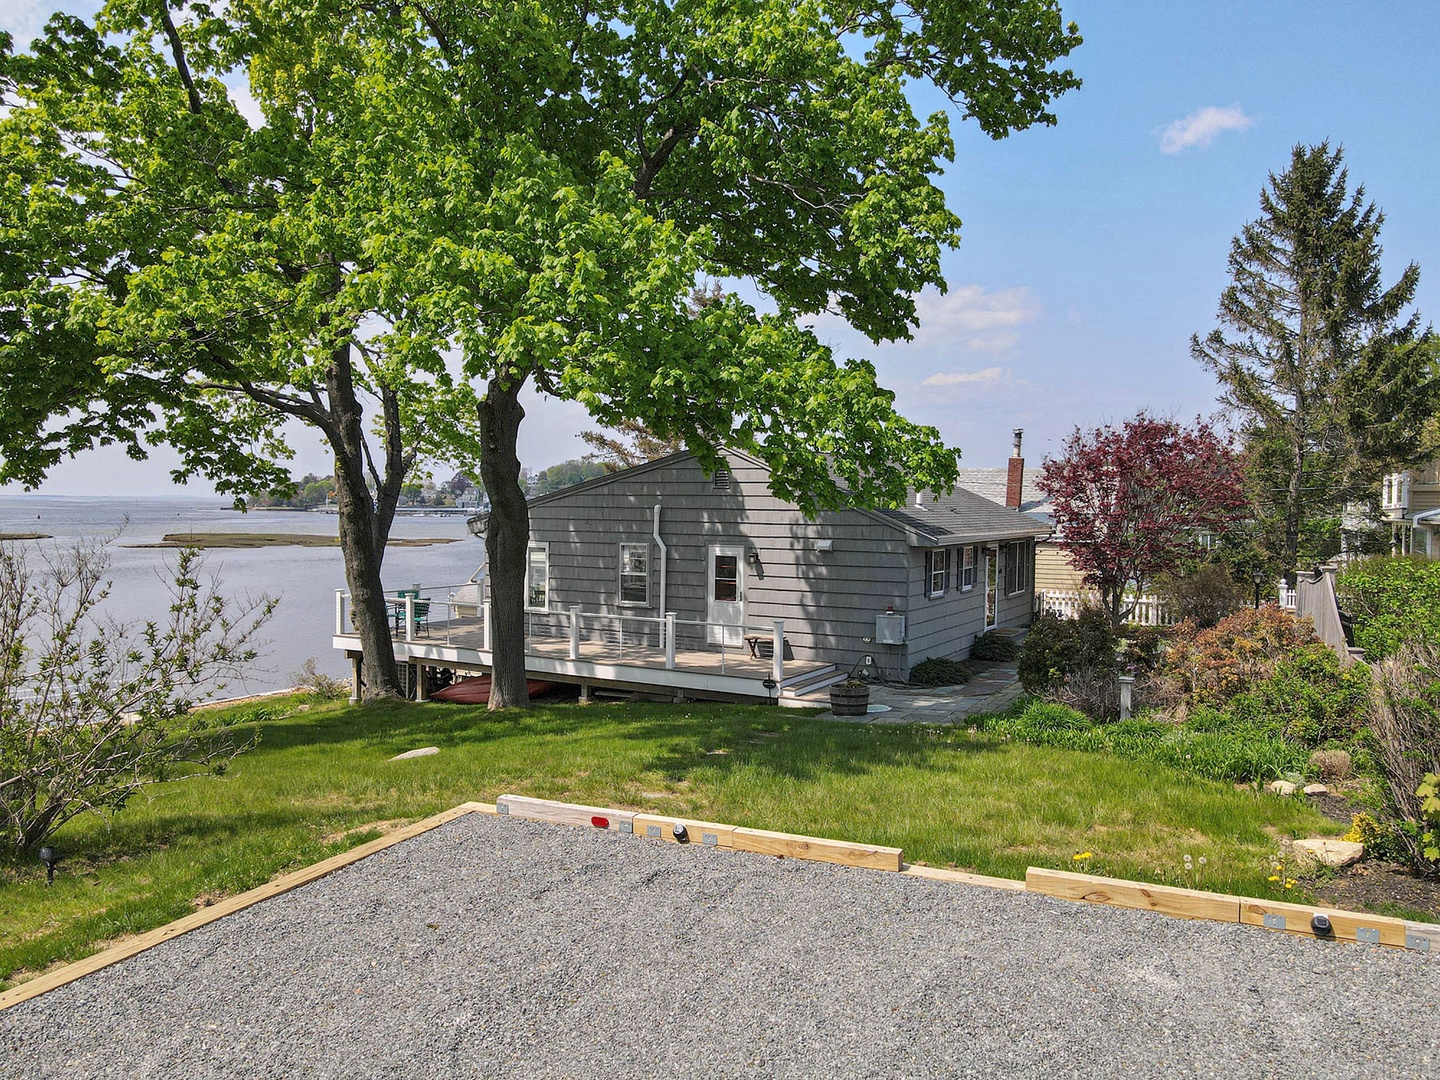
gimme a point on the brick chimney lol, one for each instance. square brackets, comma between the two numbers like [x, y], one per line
[1015, 477]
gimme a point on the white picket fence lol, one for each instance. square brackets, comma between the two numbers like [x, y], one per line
[1149, 610]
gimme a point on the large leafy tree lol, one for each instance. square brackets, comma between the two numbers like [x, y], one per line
[539, 186]
[171, 273]
[1332, 381]
[1131, 501]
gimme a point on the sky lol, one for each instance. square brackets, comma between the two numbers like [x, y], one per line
[1092, 250]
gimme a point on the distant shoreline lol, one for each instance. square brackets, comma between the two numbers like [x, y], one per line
[25, 536]
[208, 540]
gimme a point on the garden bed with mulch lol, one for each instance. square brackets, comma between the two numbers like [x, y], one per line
[1376, 885]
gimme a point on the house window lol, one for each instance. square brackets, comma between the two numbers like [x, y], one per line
[937, 569]
[1018, 567]
[634, 573]
[967, 569]
[537, 578]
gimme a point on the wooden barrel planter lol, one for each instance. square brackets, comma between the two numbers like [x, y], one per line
[849, 700]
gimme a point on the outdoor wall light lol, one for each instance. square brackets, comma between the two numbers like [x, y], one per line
[49, 858]
[752, 556]
[824, 545]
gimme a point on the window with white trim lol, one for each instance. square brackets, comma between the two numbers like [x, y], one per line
[635, 574]
[937, 570]
[967, 569]
[537, 577]
[1019, 565]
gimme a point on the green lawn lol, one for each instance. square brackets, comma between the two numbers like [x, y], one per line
[320, 782]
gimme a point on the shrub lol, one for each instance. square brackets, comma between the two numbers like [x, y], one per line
[1244, 756]
[1204, 596]
[991, 646]
[1212, 666]
[1309, 696]
[1405, 723]
[93, 710]
[319, 685]
[939, 671]
[1056, 648]
[1332, 766]
[1392, 599]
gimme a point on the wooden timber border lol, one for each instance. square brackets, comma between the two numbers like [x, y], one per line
[1169, 900]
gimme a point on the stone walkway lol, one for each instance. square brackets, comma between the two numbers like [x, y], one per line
[991, 691]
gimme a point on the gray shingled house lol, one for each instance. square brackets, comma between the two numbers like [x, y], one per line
[663, 555]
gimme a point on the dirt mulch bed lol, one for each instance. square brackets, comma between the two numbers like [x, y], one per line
[1384, 888]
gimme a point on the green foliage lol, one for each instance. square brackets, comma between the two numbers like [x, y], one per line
[1309, 697]
[1212, 666]
[563, 475]
[1334, 382]
[1237, 753]
[941, 671]
[1204, 594]
[1406, 727]
[93, 711]
[1056, 648]
[1429, 795]
[1392, 599]
[992, 646]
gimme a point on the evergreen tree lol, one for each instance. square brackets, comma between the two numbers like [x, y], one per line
[1331, 380]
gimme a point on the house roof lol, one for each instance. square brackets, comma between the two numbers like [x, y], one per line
[962, 517]
[991, 484]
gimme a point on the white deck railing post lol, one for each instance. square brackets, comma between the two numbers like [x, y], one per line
[575, 632]
[409, 618]
[777, 664]
[339, 611]
[485, 614]
[670, 640]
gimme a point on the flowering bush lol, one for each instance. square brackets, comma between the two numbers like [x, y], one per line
[1237, 654]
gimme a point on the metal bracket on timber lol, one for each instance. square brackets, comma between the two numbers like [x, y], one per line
[1327, 924]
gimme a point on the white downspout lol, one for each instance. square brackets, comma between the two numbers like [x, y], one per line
[664, 551]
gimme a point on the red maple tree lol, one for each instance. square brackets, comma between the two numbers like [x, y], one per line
[1131, 501]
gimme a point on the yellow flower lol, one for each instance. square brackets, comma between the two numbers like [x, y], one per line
[1274, 877]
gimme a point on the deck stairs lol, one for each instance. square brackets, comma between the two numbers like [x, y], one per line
[812, 688]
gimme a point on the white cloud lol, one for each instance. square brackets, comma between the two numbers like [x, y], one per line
[955, 378]
[972, 318]
[24, 19]
[1202, 127]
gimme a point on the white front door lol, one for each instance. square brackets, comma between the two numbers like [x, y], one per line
[725, 595]
[992, 587]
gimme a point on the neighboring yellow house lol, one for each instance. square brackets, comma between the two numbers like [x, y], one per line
[1410, 500]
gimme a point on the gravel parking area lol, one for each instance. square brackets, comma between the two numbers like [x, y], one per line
[499, 947]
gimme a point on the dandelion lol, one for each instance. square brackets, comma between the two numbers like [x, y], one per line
[1202, 860]
[1274, 877]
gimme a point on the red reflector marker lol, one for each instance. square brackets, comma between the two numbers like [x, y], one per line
[600, 822]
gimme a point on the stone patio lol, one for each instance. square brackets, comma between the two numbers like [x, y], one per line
[992, 690]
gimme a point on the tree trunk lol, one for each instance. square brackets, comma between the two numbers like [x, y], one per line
[506, 539]
[362, 540]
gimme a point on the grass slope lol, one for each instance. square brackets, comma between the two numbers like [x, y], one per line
[320, 783]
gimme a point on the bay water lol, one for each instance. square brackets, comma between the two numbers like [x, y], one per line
[302, 579]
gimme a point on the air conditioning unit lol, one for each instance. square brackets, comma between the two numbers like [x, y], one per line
[890, 629]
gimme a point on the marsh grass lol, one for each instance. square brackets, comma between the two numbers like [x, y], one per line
[319, 782]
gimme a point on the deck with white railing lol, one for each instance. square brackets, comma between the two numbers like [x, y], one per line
[627, 652]
[1149, 610]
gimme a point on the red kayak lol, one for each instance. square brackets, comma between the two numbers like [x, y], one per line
[476, 691]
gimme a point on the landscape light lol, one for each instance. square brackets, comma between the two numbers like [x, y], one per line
[1320, 924]
[49, 858]
[681, 833]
